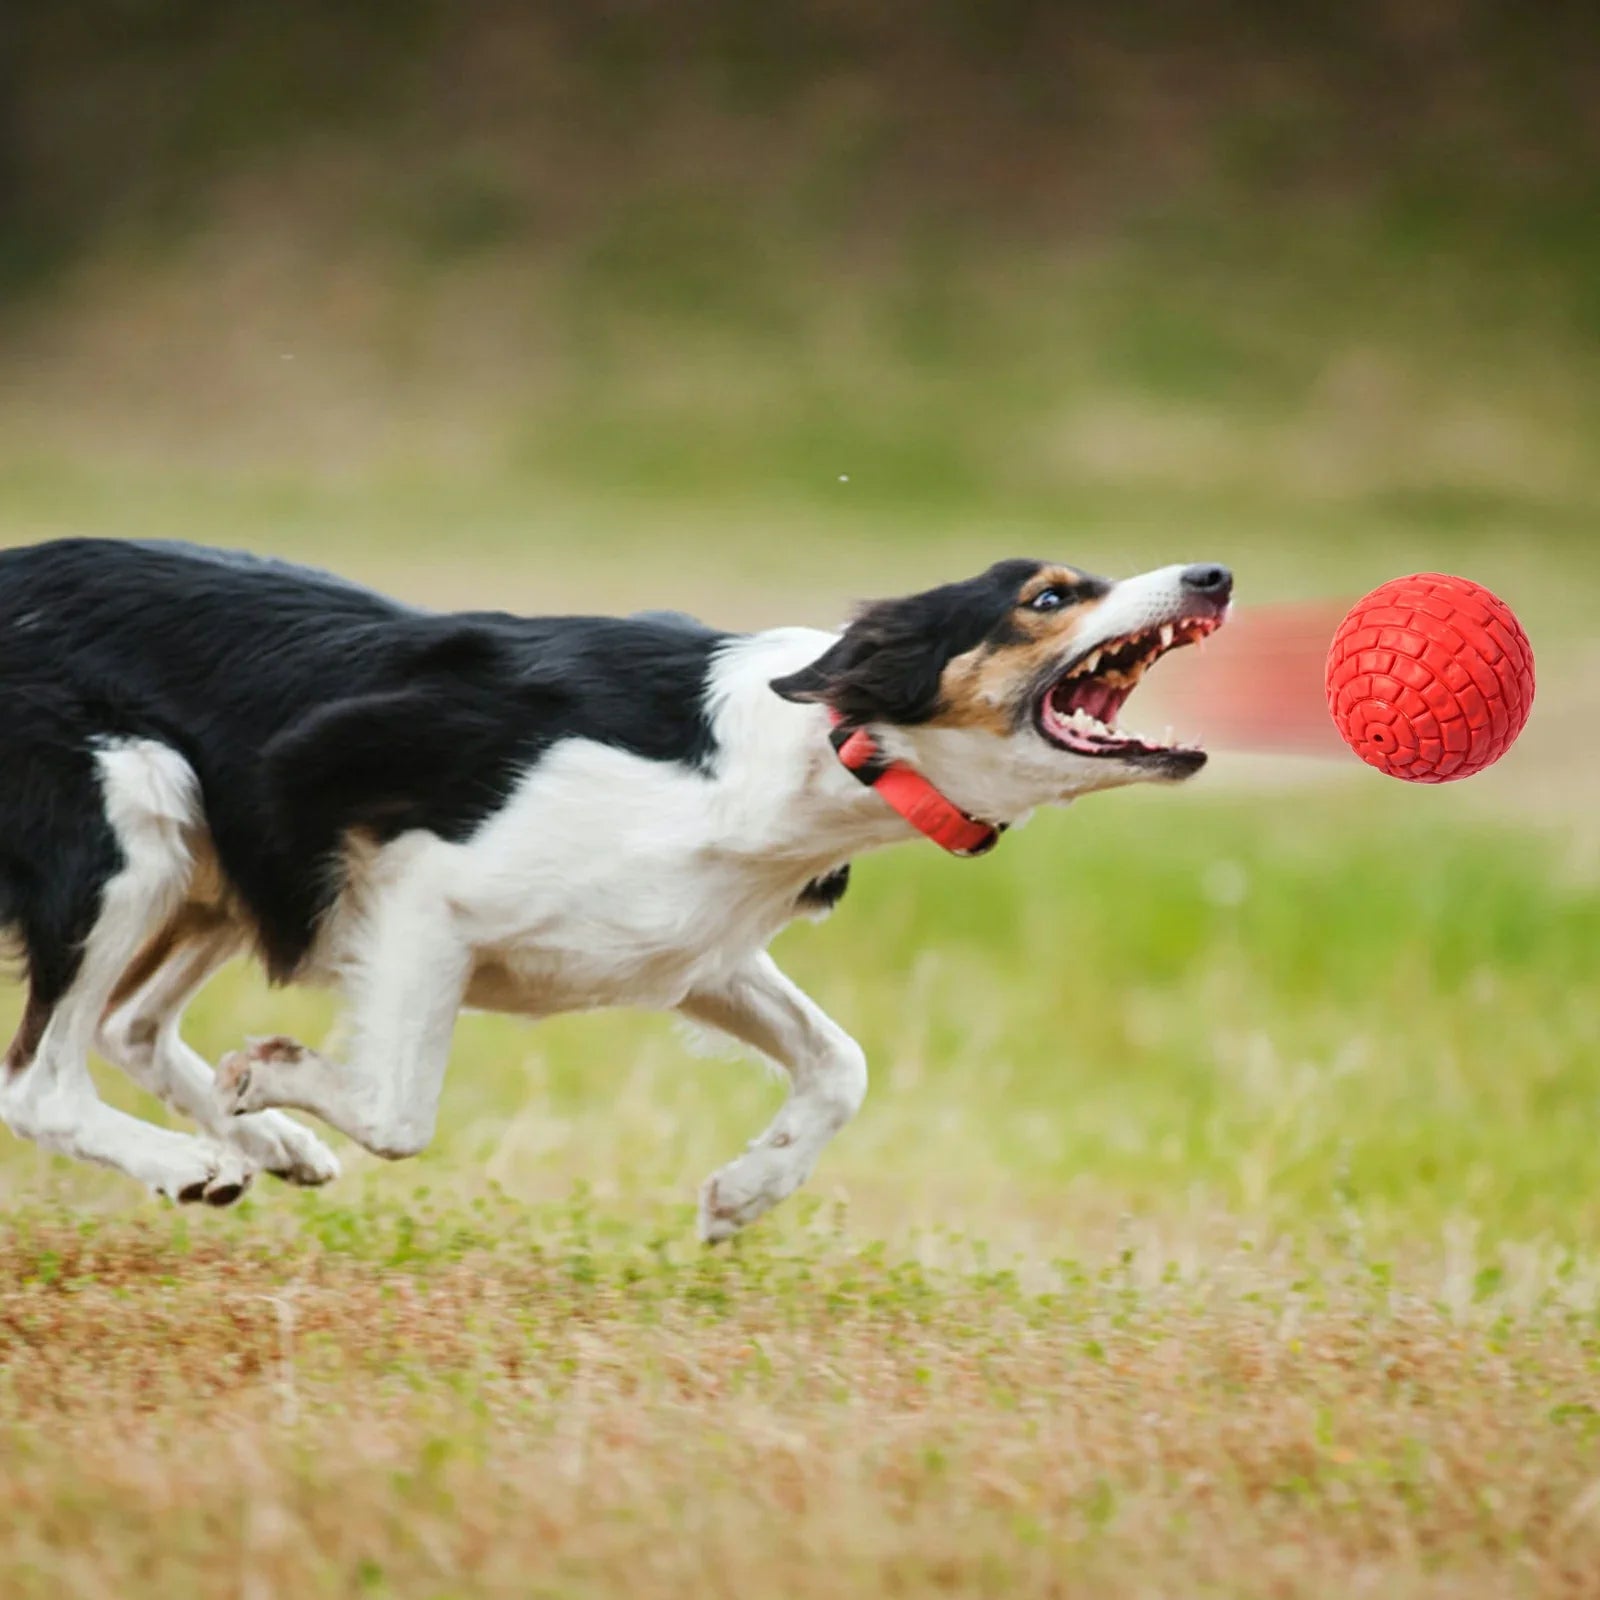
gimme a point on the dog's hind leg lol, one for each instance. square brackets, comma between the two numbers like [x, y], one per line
[406, 984]
[121, 875]
[141, 1034]
[827, 1073]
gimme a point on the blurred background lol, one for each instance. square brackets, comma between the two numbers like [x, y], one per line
[754, 310]
[991, 271]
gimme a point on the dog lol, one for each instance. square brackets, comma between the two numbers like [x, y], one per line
[204, 753]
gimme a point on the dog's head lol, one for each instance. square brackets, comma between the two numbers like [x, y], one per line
[1004, 690]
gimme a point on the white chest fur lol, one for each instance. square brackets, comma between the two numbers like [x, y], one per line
[608, 879]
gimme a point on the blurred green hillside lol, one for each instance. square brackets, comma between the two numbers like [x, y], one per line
[1003, 259]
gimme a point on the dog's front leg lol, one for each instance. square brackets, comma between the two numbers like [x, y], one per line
[405, 987]
[828, 1081]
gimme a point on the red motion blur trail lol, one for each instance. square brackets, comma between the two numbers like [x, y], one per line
[1256, 685]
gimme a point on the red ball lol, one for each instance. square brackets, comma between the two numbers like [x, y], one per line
[1430, 678]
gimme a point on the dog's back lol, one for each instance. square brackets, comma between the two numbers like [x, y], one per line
[305, 705]
[210, 655]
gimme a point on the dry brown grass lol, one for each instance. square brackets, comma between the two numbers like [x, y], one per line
[502, 1409]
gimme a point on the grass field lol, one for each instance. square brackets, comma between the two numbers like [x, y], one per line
[1223, 1219]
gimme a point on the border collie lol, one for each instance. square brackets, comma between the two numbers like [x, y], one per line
[205, 752]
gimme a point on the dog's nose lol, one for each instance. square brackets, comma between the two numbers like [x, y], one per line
[1215, 583]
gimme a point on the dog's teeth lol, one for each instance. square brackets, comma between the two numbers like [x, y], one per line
[1091, 661]
[1083, 722]
[1166, 635]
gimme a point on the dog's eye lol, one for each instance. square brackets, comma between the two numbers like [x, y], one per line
[1047, 600]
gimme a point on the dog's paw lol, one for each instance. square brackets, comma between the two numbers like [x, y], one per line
[233, 1083]
[280, 1147]
[715, 1222]
[735, 1196]
[239, 1088]
[212, 1174]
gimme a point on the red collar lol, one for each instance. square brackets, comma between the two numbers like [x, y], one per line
[905, 790]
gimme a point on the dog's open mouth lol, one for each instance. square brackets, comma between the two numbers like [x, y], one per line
[1078, 711]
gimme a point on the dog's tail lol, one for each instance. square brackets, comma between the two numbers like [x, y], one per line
[376, 761]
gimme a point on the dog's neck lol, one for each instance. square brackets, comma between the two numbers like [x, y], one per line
[907, 791]
[797, 801]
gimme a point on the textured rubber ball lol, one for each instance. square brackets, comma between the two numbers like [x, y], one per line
[1430, 678]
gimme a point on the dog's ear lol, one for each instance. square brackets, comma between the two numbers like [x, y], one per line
[888, 664]
[885, 668]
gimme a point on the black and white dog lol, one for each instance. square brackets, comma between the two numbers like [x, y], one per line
[203, 752]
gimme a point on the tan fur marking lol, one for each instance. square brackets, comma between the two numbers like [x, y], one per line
[207, 886]
[30, 1032]
[1048, 578]
[191, 921]
[986, 687]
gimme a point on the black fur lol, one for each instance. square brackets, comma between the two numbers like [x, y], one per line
[306, 705]
[824, 893]
[887, 665]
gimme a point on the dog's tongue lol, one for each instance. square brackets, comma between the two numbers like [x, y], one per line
[1100, 700]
